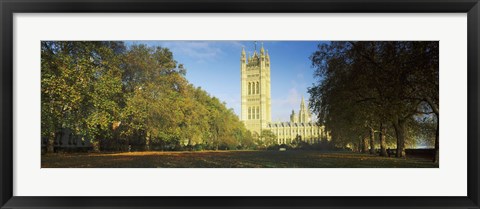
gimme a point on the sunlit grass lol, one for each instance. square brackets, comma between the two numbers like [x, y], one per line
[229, 159]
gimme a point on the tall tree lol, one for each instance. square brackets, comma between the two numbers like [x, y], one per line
[80, 88]
[385, 81]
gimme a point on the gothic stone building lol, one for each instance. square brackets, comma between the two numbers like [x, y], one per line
[256, 104]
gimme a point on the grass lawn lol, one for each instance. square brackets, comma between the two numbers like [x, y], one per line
[229, 159]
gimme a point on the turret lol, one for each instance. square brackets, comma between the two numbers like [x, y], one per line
[302, 104]
[243, 57]
[293, 117]
[304, 114]
[267, 61]
[255, 51]
[243, 60]
[262, 50]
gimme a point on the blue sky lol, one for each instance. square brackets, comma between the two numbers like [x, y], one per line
[215, 66]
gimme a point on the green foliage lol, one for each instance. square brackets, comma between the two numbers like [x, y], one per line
[267, 138]
[365, 84]
[138, 97]
[81, 87]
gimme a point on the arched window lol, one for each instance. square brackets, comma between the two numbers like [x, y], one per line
[258, 88]
[258, 112]
[249, 113]
[253, 113]
[249, 88]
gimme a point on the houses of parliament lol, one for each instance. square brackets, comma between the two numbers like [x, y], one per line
[256, 104]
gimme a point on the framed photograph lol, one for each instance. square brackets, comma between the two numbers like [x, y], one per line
[265, 104]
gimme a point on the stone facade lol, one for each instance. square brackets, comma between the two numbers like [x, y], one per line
[255, 90]
[300, 126]
[256, 104]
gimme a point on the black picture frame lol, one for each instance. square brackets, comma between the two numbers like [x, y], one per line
[9, 7]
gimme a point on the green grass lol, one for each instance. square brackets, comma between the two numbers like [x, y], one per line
[230, 159]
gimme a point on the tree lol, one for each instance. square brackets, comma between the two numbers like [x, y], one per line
[268, 138]
[157, 95]
[80, 88]
[378, 82]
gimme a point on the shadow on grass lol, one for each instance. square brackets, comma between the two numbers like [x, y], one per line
[230, 159]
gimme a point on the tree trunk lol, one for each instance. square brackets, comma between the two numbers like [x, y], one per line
[435, 109]
[437, 146]
[147, 142]
[96, 144]
[399, 126]
[51, 142]
[365, 144]
[372, 141]
[383, 142]
[359, 146]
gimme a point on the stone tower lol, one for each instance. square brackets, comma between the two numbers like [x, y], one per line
[304, 114]
[293, 117]
[255, 90]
